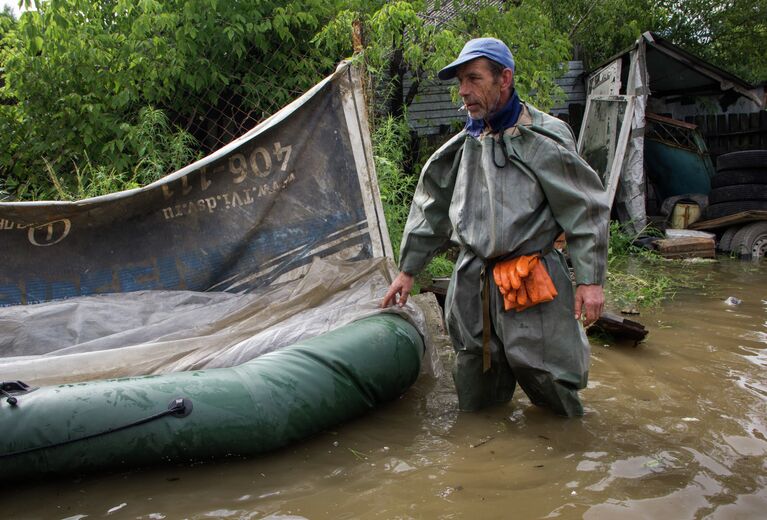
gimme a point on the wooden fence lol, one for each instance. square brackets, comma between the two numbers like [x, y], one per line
[726, 133]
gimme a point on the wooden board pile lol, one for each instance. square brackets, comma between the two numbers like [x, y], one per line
[686, 247]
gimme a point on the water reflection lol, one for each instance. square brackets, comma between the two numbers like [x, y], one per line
[674, 428]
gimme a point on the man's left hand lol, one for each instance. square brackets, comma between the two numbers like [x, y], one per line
[589, 303]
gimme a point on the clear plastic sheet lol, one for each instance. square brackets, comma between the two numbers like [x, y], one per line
[155, 332]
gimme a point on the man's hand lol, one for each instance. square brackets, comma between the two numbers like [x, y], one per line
[400, 287]
[589, 303]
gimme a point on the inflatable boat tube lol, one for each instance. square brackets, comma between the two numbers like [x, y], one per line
[266, 403]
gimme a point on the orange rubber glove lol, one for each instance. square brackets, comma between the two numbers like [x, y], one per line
[523, 282]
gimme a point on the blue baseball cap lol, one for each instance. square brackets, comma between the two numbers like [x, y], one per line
[490, 48]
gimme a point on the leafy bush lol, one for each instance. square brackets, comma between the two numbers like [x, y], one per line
[84, 75]
[391, 139]
[163, 151]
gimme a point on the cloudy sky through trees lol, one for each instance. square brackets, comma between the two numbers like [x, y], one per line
[13, 4]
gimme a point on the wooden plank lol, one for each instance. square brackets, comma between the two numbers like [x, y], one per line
[424, 122]
[721, 128]
[763, 129]
[434, 105]
[753, 125]
[708, 123]
[573, 83]
[684, 244]
[743, 140]
[427, 88]
[443, 97]
[620, 150]
[729, 220]
[437, 114]
[703, 127]
[669, 121]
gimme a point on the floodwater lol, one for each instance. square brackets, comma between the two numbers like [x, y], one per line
[675, 428]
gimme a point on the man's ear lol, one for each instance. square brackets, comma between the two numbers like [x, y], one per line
[507, 79]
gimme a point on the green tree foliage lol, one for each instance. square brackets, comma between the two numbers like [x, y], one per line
[83, 75]
[598, 29]
[84, 71]
[728, 33]
[7, 21]
[395, 31]
[540, 49]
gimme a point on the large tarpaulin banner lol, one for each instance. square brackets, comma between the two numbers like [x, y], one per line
[255, 213]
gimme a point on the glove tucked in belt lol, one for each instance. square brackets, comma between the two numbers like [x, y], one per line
[523, 282]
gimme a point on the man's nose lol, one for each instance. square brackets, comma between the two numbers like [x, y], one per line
[463, 90]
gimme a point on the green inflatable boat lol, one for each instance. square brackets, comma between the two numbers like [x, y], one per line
[266, 403]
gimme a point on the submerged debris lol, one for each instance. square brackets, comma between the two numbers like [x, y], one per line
[620, 328]
[481, 442]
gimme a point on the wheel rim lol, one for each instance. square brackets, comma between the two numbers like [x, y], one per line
[759, 248]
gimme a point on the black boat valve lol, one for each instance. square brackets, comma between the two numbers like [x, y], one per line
[10, 389]
[180, 407]
[11, 400]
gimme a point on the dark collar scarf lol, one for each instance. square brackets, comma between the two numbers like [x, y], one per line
[499, 121]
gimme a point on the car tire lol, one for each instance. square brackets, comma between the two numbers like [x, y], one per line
[751, 240]
[723, 209]
[738, 192]
[725, 241]
[744, 159]
[738, 177]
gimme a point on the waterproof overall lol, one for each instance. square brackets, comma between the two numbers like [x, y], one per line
[501, 196]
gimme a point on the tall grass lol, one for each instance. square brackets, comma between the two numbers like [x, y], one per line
[391, 143]
[639, 278]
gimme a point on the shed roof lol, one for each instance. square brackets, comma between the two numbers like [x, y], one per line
[673, 71]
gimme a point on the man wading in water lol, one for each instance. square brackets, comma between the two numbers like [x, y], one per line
[503, 190]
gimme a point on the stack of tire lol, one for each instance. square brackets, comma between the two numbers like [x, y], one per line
[740, 184]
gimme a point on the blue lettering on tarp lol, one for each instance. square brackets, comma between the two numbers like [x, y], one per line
[97, 282]
[168, 272]
[194, 271]
[204, 269]
[10, 294]
[36, 291]
[137, 278]
[61, 290]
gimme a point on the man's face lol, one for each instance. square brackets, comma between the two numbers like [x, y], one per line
[480, 91]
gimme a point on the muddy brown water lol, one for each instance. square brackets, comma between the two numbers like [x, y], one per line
[675, 428]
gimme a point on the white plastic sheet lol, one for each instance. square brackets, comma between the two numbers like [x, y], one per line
[166, 331]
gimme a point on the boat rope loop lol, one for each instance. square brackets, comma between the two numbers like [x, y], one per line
[178, 407]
